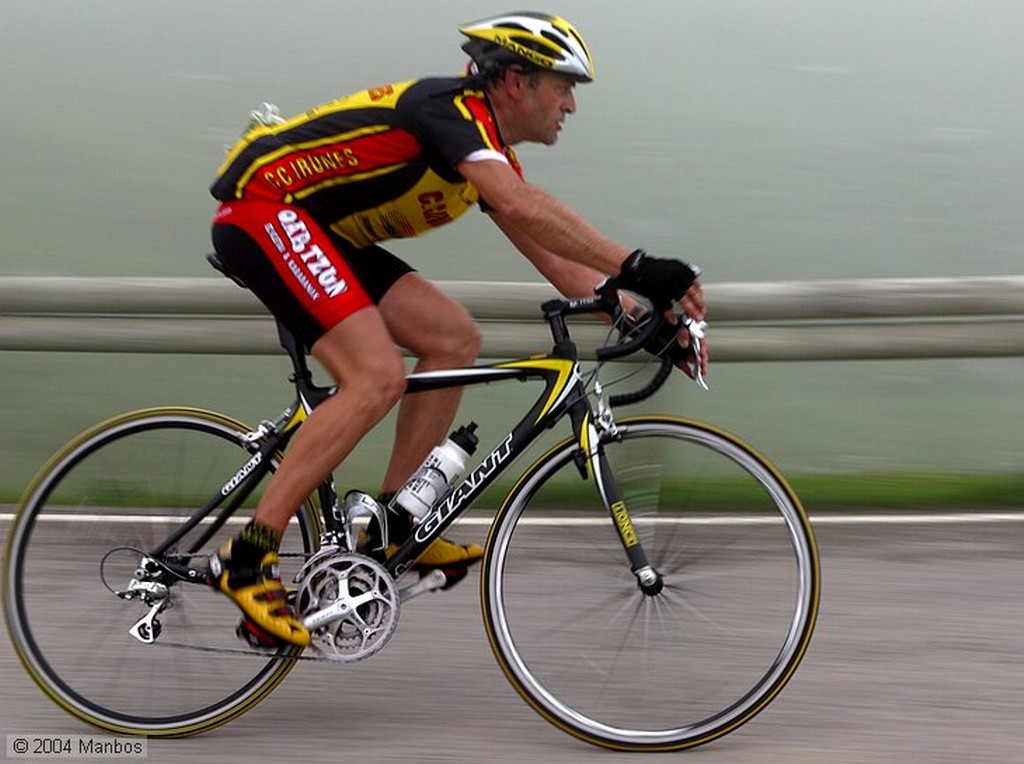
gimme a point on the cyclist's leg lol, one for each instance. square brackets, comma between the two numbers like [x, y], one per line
[294, 267]
[303, 276]
[440, 332]
[442, 335]
[359, 355]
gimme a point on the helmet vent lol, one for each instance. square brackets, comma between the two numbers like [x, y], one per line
[557, 41]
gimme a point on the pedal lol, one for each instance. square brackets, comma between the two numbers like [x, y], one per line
[451, 575]
[429, 581]
[434, 580]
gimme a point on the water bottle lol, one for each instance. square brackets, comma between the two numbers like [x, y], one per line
[438, 473]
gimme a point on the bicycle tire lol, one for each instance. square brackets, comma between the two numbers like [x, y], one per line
[689, 664]
[126, 483]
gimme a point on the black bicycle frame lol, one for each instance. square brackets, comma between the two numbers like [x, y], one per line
[564, 393]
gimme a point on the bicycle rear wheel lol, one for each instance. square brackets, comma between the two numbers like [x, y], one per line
[112, 493]
[600, 659]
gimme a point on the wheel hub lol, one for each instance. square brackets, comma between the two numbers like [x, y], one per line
[650, 581]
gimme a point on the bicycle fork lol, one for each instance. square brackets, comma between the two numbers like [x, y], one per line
[592, 432]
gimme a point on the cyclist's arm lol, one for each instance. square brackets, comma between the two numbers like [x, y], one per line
[540, 225]
[576, 280]
[570, 278]
[524, 210]
[546, 229]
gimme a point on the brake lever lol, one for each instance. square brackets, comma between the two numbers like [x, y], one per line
[697, 330]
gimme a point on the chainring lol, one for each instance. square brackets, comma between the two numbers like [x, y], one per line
[350, 604]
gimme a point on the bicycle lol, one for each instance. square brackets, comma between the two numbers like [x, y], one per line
[649, 583]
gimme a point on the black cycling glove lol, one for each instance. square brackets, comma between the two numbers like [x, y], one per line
[660, 280]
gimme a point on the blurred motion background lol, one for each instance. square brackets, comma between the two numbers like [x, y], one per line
[788, 140]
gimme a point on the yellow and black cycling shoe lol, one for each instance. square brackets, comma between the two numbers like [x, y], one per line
[444, 553]
[259, 594]
[450, 558]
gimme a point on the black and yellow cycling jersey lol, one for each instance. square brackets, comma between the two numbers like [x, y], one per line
[376, 165]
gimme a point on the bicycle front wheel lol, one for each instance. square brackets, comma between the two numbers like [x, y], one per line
[110, 495]
[628, 670]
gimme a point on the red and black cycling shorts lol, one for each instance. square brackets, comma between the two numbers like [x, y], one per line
[307, 277]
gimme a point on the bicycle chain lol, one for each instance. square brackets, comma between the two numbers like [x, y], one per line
[239, 651]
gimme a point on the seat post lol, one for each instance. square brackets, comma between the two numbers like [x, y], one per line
[296, 352]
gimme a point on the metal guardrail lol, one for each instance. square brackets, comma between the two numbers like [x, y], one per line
[764, 321]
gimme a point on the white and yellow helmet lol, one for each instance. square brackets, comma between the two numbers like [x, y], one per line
[546, 42]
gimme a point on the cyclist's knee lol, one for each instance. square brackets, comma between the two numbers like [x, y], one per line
[373, 375]
[431, 325]
[381, 383]
[463, 344]
[457, 344]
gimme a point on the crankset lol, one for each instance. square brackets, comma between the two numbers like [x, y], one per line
[350, 604]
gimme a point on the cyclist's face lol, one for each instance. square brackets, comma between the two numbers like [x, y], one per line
[547, 99]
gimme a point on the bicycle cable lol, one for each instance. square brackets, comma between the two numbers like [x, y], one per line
[620, 327]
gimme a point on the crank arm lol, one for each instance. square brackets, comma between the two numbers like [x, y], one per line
[433, 581]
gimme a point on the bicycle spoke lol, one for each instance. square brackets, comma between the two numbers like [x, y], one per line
[115, 494]
[630, 670]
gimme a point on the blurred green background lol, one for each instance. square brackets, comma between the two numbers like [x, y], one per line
[783, 140]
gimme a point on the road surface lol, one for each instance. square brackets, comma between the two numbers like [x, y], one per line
[918, 657]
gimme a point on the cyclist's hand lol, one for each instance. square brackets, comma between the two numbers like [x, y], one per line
[664, 282]
[692, 305]
[671, 338]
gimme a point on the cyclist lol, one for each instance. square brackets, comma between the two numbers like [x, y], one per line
[305, 204]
